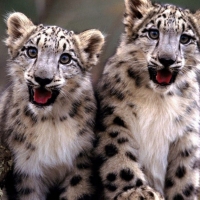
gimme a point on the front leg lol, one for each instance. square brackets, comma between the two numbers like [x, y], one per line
[121, 174]
[182, 178]
[78, 184]
[24, 187]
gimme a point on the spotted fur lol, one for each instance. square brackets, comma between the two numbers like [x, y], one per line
[148, 143]
[48, 111]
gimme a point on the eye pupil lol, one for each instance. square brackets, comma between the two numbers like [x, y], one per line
[32, 52]
[65, 58]
[185, 39]
[153, 34]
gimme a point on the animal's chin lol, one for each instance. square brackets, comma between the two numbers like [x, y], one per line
[162, 77]
[42, 97]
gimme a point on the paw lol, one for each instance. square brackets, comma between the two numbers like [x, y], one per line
[140, 193]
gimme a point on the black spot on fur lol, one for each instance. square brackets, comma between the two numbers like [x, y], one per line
[139, 182]
[19, 137]
[85, 197]
[16, 113]
[30, 114]
[63, 118]
[186, 153]
[180, 172]
[196, 164]
[127, 188]
[122, 140]
[74, 109]
[111, 150]
[116, 93]
[169, 183]
[132, 75]
[30, 146]
[110, 187]
[114, 134]
[189, 189]
[118, 121]
[126, 174]
[131, 156]
[111, 177]
[178, 197]
[83, 166]
[75, 180]
[26, 191]
[151, 194]
[100, 160]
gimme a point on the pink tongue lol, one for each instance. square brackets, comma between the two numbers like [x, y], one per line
[41, 95]
[164, 76]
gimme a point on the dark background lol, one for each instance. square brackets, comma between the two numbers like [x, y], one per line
[76, 15]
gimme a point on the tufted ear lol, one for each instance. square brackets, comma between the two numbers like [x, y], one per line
[90, 43]
[135, 10]
[197, 15]
[19, 28]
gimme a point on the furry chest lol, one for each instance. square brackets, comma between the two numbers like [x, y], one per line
[155, 127]
[52, 145]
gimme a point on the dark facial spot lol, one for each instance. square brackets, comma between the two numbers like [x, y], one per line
[178, 197]
[180, 172]
[126, 174]
[111, 177]
[75, 180]
[111, 150]
[110, 187]
[131, 156]
[118, 121]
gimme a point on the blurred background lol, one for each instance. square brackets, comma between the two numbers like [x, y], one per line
[76, 15]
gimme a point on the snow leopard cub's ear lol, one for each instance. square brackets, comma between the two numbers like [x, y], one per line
[19, 28]
[90, 44]
[135, 10]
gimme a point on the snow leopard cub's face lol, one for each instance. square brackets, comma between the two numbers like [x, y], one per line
[48, 60]
[168, 40]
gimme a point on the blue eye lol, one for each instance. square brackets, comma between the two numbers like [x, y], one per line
[32, 52]
[185, 39]
[153, 34]
[65, 58]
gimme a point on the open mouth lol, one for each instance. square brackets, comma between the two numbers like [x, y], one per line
[41, 96]
[162, 77]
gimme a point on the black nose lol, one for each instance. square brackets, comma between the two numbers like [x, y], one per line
[43, 81]
[166, 62]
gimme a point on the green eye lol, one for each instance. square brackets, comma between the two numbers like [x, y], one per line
[185, 39]
[153, 34]
[65, 58]
[32, 52]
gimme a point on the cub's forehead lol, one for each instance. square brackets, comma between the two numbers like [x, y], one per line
[171, 17]
[53, 37]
